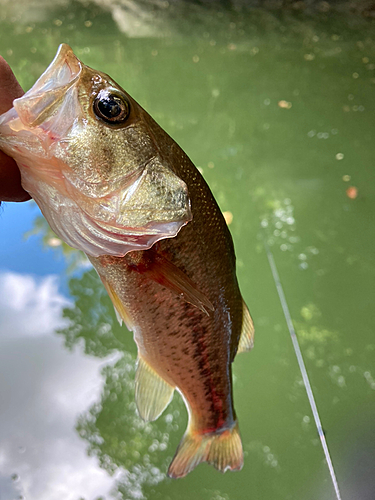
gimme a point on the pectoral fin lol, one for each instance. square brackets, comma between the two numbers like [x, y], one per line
[246, 342]
[152, 393]
[170, 276]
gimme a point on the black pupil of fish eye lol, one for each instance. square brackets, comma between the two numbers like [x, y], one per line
[111, 108]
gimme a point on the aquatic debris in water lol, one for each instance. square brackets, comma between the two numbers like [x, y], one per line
[284, 104]
[352, 192]
[228, 216]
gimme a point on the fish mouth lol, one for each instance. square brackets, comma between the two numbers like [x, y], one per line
[42, 100]
[46, 112]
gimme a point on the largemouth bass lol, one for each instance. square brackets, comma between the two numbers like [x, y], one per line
[113, 184]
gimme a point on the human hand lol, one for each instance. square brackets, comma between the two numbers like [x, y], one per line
[10, 178]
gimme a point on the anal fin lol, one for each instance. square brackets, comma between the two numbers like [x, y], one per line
[246, 342]
[223, 450]
[152, 393]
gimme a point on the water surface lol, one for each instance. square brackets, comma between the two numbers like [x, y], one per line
[276, 108]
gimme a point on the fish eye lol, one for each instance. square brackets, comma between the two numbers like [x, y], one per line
[111, 108]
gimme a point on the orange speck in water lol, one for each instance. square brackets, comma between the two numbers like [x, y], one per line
[352, 192]
[284, 104]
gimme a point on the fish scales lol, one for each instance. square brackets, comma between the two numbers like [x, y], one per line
[187, 348]
[120, 189]
[181, 352]
[202, 343]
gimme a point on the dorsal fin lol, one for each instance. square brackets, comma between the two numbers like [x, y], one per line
[246, 342]
[152, 393]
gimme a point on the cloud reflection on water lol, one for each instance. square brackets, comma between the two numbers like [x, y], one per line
[43, 389]
[29, 307]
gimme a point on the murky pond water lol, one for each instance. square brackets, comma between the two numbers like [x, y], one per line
[277, 109]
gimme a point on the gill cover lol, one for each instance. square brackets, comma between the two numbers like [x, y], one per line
[103, 189]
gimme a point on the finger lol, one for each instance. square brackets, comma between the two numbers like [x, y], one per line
[10, 179]
[10, 89]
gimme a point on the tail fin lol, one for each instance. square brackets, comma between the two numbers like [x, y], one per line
[223, 451]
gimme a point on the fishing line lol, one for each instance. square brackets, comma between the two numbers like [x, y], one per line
[302, 367]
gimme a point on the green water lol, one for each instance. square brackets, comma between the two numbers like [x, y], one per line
[277, 109]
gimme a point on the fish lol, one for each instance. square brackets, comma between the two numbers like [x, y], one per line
[112, 183]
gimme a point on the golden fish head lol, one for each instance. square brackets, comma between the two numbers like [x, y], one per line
[89, 160]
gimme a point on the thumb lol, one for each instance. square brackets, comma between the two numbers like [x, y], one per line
[10, 178]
